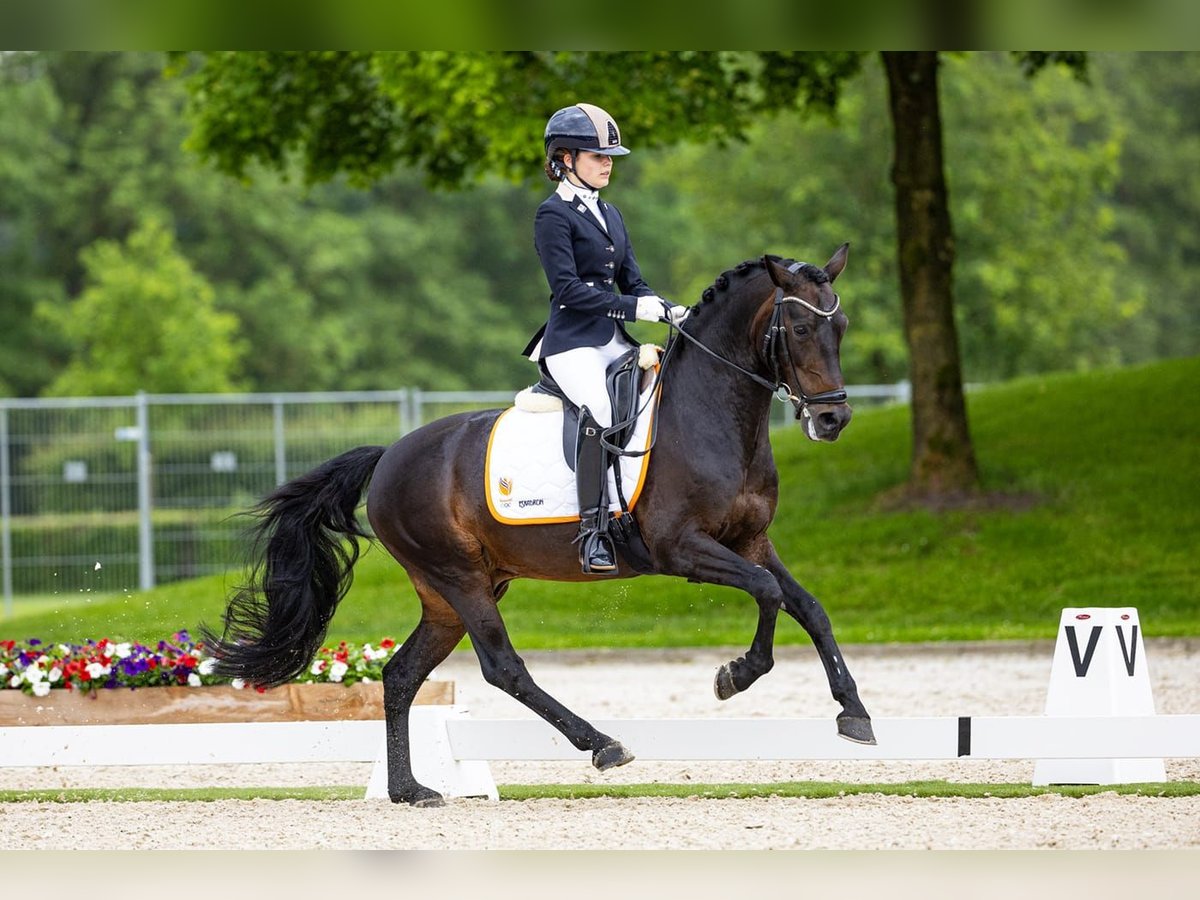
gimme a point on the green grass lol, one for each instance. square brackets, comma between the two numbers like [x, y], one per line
[816, 790]
[1110, 458]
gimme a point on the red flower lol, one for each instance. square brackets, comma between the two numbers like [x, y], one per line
[387, 644]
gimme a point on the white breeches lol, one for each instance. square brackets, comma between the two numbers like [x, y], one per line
[580, 373]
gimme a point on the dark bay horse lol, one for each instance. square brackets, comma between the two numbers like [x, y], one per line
[710, 493]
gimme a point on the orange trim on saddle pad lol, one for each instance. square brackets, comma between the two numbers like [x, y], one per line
[503, 486]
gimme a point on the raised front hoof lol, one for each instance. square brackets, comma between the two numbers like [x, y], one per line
[723, 685]
[857, 729]
[610, 756]
[420, 797]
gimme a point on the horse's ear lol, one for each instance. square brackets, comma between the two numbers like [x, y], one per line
[773, 270]
[837, 262]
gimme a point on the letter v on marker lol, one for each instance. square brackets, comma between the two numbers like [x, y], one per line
[1129, 654]
[1082, 665]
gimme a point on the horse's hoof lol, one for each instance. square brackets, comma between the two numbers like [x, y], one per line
[420, 797]
[610, 756]
[857, 729]
[430, 802]
[723, 685]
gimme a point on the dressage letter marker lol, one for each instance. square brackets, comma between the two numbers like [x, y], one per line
[1099, 669]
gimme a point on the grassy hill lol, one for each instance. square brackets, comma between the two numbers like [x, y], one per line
[1102, 469]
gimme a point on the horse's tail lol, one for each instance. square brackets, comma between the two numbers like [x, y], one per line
[302, 568]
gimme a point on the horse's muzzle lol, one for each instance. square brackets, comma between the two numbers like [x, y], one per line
[824, 421]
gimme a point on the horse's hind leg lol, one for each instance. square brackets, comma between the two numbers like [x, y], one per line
[439, 630]
[502, 667]
[854, 723]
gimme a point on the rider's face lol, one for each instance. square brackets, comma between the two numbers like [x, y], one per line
[593, 168]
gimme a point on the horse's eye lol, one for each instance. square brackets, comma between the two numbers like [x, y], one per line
[800, 330]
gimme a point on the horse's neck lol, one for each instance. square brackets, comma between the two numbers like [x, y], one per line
[712, 405]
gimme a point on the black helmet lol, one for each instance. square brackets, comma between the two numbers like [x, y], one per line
[583, 127]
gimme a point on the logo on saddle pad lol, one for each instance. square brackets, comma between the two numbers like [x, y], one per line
[505, 487]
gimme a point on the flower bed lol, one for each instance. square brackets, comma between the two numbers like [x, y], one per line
[98, 683]
[38, 668]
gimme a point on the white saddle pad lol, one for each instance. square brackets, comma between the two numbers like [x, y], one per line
[529, 482]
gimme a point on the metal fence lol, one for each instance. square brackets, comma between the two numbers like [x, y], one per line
[111, 494]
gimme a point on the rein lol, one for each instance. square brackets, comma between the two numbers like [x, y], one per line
[773, 336]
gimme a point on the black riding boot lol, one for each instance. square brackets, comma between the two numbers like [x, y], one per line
[596, 554]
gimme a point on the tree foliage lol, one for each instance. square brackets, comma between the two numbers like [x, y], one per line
[1072, 205]
[145, 321]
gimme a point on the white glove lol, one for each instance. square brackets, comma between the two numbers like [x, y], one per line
[651, 308]
[676, 314]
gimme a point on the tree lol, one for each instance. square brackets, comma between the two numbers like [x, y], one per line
[943, 459]
[145, 321]
[457, 115]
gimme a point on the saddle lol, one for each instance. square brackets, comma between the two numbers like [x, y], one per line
[625, 379]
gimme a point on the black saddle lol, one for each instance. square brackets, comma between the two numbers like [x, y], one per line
[623, 377]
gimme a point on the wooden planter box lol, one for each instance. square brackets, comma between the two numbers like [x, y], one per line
[210, 704]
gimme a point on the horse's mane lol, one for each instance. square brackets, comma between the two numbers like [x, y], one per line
[751, 267]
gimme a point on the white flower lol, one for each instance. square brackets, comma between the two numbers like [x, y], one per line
[122, 651]
[237, 684]
[337, 670]
[366, 681]
[34, 674]
[194, 680]
[15, 681]
[54, 675]
[317, 667]
[206, 666]
[98, 670]
[41, 689]
[4, 670]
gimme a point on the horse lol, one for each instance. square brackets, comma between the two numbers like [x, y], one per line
[767, 327]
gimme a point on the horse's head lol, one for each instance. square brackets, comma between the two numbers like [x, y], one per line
[801, 341]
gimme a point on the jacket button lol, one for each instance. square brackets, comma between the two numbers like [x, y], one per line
[608, 281]
[609, 264]
[611, 249]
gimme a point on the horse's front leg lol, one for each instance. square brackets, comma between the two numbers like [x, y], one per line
[854, 723]
[701, 558]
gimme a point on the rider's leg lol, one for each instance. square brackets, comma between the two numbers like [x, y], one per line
[596, 553]
[580, 374]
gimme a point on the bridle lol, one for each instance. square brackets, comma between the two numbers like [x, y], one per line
[772, 338]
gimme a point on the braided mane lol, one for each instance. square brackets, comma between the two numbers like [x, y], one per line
[751, 267]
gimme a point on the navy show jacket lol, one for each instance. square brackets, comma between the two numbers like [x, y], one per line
[593, 275]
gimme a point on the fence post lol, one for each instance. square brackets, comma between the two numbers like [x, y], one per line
[280, 445]
[405, 422]
[6, 514]
[145, 496]
[416, 413]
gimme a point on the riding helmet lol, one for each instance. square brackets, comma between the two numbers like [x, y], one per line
[583, 127]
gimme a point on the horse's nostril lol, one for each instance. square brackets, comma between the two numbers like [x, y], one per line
[828, 421]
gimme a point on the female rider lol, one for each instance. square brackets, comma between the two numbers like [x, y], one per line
[596, 287]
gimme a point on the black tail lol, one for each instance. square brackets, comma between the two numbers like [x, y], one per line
[275, 624]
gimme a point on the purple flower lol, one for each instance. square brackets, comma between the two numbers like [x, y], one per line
[34, 642]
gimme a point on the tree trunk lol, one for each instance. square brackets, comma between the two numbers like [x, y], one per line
[943, 460]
